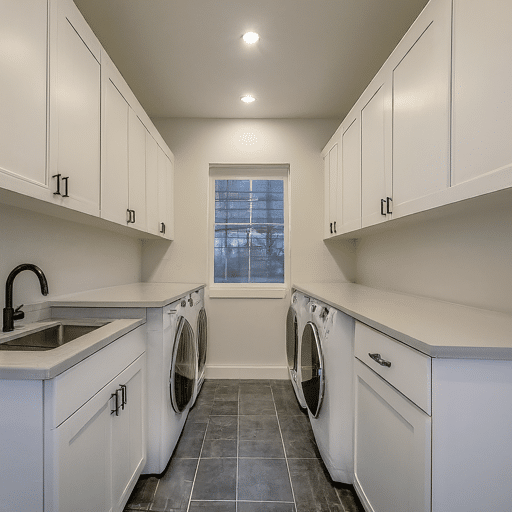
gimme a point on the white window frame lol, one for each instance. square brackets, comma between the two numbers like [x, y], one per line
[250, 172]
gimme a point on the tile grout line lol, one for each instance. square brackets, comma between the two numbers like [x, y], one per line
[284, 449]
[198, 460]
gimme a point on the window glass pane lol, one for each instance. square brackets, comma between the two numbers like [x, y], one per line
[249, 231]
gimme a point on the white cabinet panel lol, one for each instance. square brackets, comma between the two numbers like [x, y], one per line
[482, 85]
[350, 176]
[153, 224]
[165, 194]
[114, 175]
[332, 202]
[23, 93]
[392, 447]
[137, 170]
[376, 153]
[421, 110]
[75, 112]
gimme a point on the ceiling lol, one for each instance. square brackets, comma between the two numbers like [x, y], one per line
[186, 58]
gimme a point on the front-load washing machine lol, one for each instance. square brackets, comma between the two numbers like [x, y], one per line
[294, 326]
[172, 372]
[201, 332]
[327, 353]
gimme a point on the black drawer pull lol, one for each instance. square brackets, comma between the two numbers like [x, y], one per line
[378, 359]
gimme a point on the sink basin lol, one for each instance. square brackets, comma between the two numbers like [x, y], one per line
[50, 337]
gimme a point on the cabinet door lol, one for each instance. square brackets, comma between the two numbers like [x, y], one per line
[137, 170]
[152, 213]
[331, 190]
[75, 111]
[128, 434]
[376, 153]
[392, 447]
[165, 194]
[114, 176]
[482, 99]
[349, 177]
[421, 110]
[80, 455]
[23, 92]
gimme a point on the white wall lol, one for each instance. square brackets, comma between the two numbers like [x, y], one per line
[73, 257]
[246, 336]
[465, 258]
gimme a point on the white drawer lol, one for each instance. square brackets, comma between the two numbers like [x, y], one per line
[410, 371]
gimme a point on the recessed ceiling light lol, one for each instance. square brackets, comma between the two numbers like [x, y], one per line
[248, 98]
[251, 37]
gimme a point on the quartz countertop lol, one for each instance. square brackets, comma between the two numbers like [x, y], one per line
[436, 328]
[42, 365]
[146, 295]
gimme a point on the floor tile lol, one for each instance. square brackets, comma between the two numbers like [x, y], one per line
[257, 406]
[312, 487]
[213, 506]
[219, 448]
[225, 407]
[143, 493]
[270, 448]
[265, 506]
[263, 480]
[215, 480]
[222, 427]
[173, 491]
[298, 437]
[259, 427]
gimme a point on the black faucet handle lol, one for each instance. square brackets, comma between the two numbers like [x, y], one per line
[18, 314]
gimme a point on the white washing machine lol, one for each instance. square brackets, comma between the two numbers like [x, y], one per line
[327, 353]
[172, 374]
[201, 332]
[294, 326]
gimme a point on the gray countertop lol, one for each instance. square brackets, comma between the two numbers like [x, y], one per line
[436, 328]
[50, 363]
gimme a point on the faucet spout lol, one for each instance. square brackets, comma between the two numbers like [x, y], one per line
[9, 313]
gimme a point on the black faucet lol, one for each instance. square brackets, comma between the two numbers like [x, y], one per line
[9, 314]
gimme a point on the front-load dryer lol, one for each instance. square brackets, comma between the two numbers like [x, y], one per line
[327, 353]
[201, 332]
[172, 371]
[294, 327]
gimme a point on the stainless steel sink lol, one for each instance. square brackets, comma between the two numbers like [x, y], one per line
[50, 337]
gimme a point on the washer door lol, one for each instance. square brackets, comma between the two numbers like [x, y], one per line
[202, 340]
[312, 369]
[183, 366]
[292, 339]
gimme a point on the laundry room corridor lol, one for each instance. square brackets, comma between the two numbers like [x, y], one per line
[246, 447]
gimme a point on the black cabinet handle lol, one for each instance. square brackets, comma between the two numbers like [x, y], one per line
[162, 228]
[378, 359]
[124, 396]
[130, 216]
[335, 227]
[331, 228]
[382, 202]
[65, 180]
[115, 396]
[389, 205]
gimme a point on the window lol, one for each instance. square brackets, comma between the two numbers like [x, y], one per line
[249, 222]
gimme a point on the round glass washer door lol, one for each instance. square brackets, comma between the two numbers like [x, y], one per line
[312, 369]
[292, 339]
[183, 367]
[202, 340]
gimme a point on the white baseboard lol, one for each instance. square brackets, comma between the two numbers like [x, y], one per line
[247, 372]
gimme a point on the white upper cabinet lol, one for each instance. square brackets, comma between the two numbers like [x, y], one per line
[114, 170]
[152, 213]
[482, 99]
[376, 152]
[75, 90]
[330, 157]
[349, 175]
[23, 96]
[421, 110]
[137, 171]
[165, 194]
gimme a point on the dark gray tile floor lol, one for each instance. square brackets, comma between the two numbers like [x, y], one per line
[246, 447]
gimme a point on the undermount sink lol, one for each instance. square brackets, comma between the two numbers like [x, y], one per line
[50, 337]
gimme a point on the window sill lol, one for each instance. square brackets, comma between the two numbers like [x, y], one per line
[224, 292]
